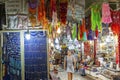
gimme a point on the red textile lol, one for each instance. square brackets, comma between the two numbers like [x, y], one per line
[53, 7]
[115, 25]
[63, 12]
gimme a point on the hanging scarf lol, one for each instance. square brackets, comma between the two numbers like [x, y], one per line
[52, 6]
[74, 33]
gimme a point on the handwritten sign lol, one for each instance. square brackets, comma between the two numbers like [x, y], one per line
[13, 6]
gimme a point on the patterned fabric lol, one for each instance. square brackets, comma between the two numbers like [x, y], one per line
[115, 25]
[106, 15]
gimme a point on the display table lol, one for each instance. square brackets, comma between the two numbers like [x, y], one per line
[103, 73]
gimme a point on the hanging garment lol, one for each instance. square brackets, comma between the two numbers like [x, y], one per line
[12, 22]
[90, 35]
[88, 22]
[41, 10]
[22, 22]
[68, 31]
[53, 7]
[95, 17]
[42, 14]
[74, 33]
[115, 25]
[63, 11]
[54, 19]
[106, 15]
[84, 36]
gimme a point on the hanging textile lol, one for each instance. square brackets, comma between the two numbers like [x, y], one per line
[78, 36]
[22, 22]
[63, 11]
[68, 30]
[90, 35]
[84, 38]
[106, 15]
[53, 7]
[88, 22]
[42, 14]
[33, 21]
[32, 6]
[12, 22]
[81, 30]
[115, 25]
[54, 19]
[95, 17]
[74, 33]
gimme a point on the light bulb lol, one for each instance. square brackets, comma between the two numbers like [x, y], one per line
[58, 31]
[27, 36]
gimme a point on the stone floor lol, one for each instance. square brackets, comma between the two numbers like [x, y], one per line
[76, 76]
[63, 76]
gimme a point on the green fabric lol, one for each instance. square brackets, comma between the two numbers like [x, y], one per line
[95, 17]
[74, 31]
[84, 36]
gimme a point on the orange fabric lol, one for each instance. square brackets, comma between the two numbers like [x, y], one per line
[82, 28]
[32, 11]
[42, 14]
[33, 20]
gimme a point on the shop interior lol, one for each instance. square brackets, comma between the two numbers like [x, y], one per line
[36, 35]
